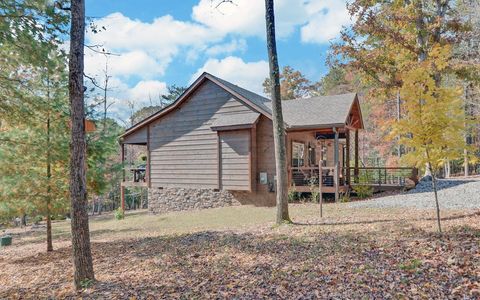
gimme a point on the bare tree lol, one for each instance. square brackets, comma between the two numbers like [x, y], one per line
[82, 256]
[278, 126]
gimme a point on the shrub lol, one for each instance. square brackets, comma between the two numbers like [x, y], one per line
[293, 194]
[345, 198]
[119, 214]
[314, 193]
[363, 191]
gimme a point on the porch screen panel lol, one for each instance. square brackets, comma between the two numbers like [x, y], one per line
[235, 160]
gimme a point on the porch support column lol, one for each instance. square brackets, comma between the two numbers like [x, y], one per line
[336, 170]
[149, 169]
[122, 187]
[347, 154]
[356, 171]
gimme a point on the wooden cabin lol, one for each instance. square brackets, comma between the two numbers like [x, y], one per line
[214, 146]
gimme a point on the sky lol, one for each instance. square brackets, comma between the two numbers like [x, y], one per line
[157, 43]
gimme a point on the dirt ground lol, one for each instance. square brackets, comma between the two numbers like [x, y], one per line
[239, 252]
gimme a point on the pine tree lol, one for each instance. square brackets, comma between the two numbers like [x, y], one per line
[82, 255]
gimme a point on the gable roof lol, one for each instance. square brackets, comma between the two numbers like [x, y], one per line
[316, 112]
[250, 99]
[255, 98]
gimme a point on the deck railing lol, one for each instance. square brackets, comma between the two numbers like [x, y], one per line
[391, 176]
[307, 176]
[135, 174]
[382, 175]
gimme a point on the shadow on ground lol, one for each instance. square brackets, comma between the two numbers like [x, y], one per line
[223, 264]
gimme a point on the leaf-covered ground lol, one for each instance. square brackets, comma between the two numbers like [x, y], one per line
[238, 252]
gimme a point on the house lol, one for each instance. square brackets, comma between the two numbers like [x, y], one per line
[214, 146]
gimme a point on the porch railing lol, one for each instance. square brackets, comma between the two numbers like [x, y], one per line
[382, 175]
[307, 176]
[393, 176]
[135, 174]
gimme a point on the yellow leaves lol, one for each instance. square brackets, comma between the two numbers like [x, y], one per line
[440, 56]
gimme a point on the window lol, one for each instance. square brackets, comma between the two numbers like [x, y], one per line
[298, 154]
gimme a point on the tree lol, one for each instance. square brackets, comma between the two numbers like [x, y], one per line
[32, 108]
[277, 117]
[28, 32]
[82, 256]
[339, 80]
[173, 92]
[166, 99]
[293, 85]
[466, 52]
[404, 48]
[36, 185]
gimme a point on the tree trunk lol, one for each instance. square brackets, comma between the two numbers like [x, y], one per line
[434, 185]
[399, 116]
[82, 256]
[49, 187]
[277, 116]
[49, 232]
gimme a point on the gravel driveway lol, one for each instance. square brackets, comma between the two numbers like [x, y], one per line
[452, 194]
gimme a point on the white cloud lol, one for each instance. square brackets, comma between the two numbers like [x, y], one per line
[146, 48]
[247, 17]
[136, 62]
[227, 48]
[319, 20]
[249, 75]
[147, 92]
[326, 18]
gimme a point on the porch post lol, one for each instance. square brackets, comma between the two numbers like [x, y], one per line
[347, 154]
[122, 187]
[320, 180]
[148, 170]
[356, 171]
[336, 176]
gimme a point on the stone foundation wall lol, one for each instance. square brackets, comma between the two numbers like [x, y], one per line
[176, 199]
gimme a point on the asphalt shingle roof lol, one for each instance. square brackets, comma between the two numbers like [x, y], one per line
[322, 110]
[317, 111]
[235, 120]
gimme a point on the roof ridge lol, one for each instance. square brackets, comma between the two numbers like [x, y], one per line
[236, 85]
[322, 96]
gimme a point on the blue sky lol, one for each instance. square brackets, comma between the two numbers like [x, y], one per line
[166, 42]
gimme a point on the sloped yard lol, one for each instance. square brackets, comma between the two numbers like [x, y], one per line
[219, 253]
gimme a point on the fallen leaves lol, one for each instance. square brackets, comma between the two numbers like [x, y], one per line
[349, 261]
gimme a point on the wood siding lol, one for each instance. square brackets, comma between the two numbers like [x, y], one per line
[265, 154]
[235, 158]
[184, 150]
[137, 137]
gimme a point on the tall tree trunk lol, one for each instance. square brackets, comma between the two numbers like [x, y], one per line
[399, 116]
[49, 177]
[82, 256]
[278, 127]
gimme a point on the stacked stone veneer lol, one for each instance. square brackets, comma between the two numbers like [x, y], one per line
[176, 199]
